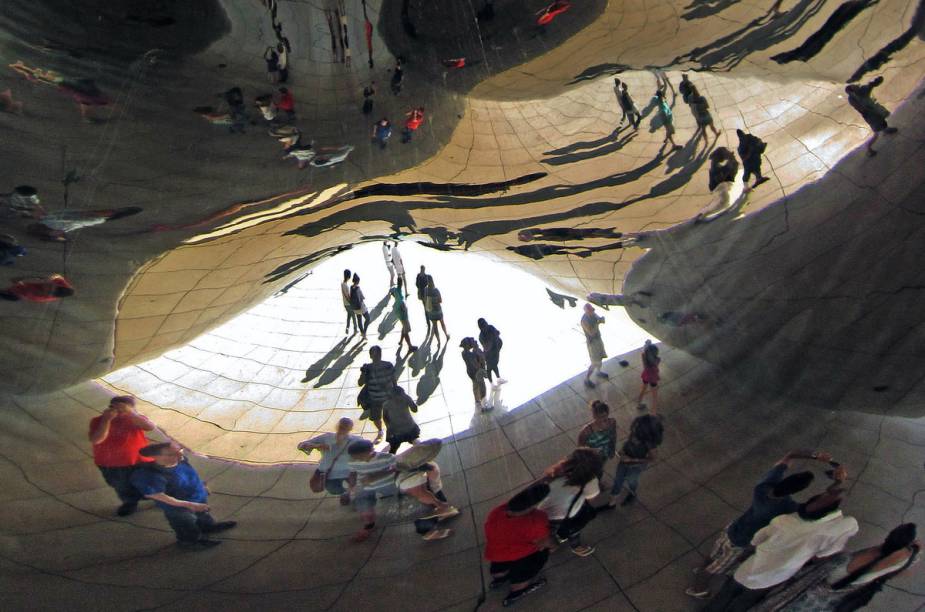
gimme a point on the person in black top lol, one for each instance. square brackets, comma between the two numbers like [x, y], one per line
[490, 339]
[750, 149]
[637, 453]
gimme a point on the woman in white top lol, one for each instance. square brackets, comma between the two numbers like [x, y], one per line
[334, 457]
[572, 482]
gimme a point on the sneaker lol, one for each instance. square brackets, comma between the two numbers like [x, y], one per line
[603, 375]
[448, 512]
[514, 596]
[698, 594]
[221, 526]
[199, 544]
[628, 500]
[583, 550]
[763, 179]
[589, 384]
[126, 509]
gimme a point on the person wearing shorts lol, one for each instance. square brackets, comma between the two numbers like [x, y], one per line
[517, 543]
[650, 375]
[401, 312]
[591, 326]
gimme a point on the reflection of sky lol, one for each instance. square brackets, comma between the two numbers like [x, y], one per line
[247, 375]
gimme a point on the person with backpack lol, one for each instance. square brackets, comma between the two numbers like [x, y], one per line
[396, 414]
[846, 581]
[490, 339]
[701, 111]
[476, 367]
[686, 89]
[650, 376]
[377, 379]
[861, 99]
[573, 482]
[601, 433]
[637, 454]
[358, 304]
[626, 104]
[750, 149]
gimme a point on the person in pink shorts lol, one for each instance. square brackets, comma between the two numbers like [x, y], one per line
[650, 376]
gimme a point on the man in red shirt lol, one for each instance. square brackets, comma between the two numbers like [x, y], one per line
[286, 103]
[518, 541]
[117, 435]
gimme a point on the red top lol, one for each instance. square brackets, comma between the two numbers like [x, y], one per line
[415, 120]
[121, 446]
[39, 290]
[286, 102]
[508, 538]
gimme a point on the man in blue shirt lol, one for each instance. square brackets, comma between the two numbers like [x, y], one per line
[176, 488]
[770, 498]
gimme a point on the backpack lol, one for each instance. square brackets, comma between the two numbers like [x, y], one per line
[649, 430]
[355, 298]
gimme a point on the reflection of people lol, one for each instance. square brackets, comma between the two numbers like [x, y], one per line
[368, 92]
[750, 150]
[474, 359]
[626, 104]
[177, 489]
[378, 378]
[490, 339]
[56, 225]
[38, 289]
[345, 296]
[334, 458]
[399, 265]
[412, 123]
[387, 257]
[396, 414]
[701, 111]
[401, 312]
[358, 303]
[664, 111]
[382, 131]
[117, 436]
[601, 433]
[22, 201]
[635, 456]
[591, 326]
[650, 375]
[433, 309]
[861, 99]
[573, 482]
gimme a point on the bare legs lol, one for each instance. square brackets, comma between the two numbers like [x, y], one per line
[654, 393]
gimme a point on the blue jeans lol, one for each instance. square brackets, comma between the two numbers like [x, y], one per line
[629, 473]
[335, 486]
[119, 478]
[188, 525]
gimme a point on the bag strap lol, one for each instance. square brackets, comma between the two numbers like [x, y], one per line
[341, 452]
[574, 500]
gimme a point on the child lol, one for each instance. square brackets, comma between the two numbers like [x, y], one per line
[601, 433]
[650, 377]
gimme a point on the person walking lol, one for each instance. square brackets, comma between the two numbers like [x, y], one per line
[650, 375]
[286, 103]
[637, 453]
[817, 529]
[398, 75]
[399, 266]
[846, 581]
[591, 326]
[517, 543]
[490, 339]
[348, 304]
[334, 458]
[382, 131]
[433, 309]
[861, 99]
[665, 114]
[750, 149]
[686, 89]
[415, 117]
[387, 256]
[399, 424]
[400, 308]
[282, 51]
[573, 482]
[272, 59]
[377, 377]
[177, 489]
[701, 111]
[771, 498]
[474, 359]
[117, 436]
[420, 281]
[368, 92]
[358, 304]
[601, 433]
[626, 104]
[723, 170]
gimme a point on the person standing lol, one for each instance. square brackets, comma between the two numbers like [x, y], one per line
[415, 117]
[573, 482]
[399, 266]
[177, 489]
[378, 378]
[601, 433]
[750, 151]
[420, 282]
[382, 131]
[664, 112]
[399, 424]
[771, 498]
[686, 89]
[368, 92]
[387, 256]
[861, 99]
[626, 104]
[701, 111]
[118, 435]
[286, 103]
[591, 326]
[401, 312]
[637, 454]
[474, 359]
[282, 50]
[358, 304]
[650, 375]
[334, 458]
[348, 306]
[817, 529]
[433, 309]
[490, 339]
[398, 75]
[272, 59]
[517, 543]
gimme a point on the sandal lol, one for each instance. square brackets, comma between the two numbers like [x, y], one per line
[583, 550]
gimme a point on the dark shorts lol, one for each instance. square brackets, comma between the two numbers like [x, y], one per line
[521, 570]
[405, 436]
[375, 410]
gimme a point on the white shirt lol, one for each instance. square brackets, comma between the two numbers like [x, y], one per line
[396, 261]
[788, 542]
[341, 467]
[722, 201]
[561, 495]
[387, 254]
[345, 292]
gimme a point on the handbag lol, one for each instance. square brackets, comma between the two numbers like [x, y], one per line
[317, 481]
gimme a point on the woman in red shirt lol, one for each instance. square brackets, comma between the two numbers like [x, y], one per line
[414, 121]
[517, 542]
[38, 290]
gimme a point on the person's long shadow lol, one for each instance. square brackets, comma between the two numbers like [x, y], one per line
[607, 149]
[429, 382]
[317, 369]
[387, 324]
[418, 361]
[378, 308]
[344, 361]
